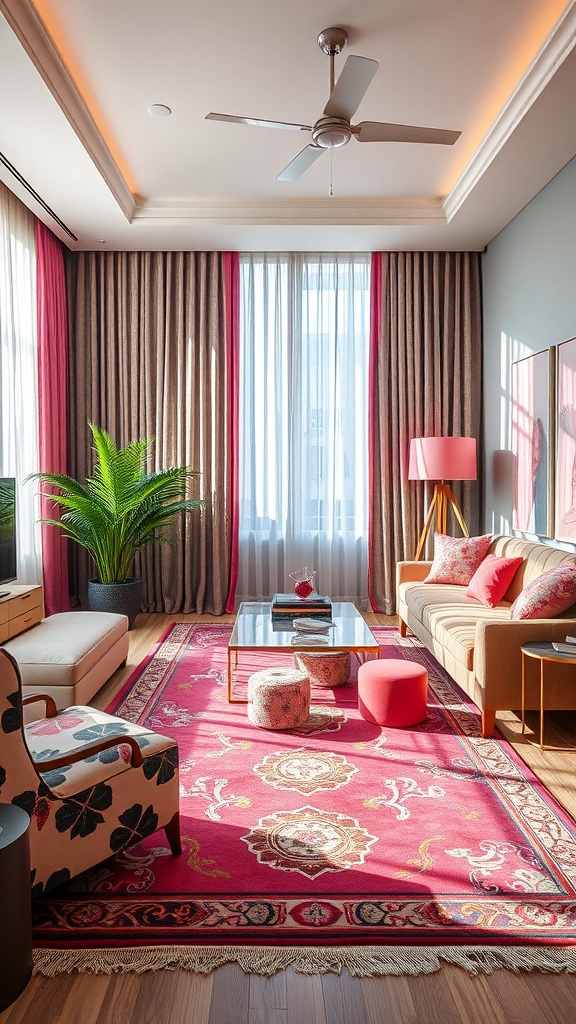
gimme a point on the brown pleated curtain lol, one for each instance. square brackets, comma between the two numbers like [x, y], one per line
[426, 367]
[149, 359]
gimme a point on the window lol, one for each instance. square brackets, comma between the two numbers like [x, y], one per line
[303, 413]
[19, 375]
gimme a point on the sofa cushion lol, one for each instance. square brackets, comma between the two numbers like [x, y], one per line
[61, 649]
[457, 558]
[450, 616]
[492, 579]
[538, 558]
[77, 726]
[547, 596]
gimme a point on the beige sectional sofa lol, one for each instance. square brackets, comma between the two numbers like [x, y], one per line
[480, 646]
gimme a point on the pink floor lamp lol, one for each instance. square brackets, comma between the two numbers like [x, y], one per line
[441, 459]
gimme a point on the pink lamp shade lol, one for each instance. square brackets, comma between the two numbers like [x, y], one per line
[442, 458]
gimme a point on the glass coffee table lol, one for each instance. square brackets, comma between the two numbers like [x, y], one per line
[255, 631]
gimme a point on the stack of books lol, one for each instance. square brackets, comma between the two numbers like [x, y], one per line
[286, 607]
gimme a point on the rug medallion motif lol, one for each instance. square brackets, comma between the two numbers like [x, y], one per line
[305, 771]
[309, 841]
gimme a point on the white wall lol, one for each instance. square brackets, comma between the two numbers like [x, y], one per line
[529, 286]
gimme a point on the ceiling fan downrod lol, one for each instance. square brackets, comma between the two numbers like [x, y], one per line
[332, 41]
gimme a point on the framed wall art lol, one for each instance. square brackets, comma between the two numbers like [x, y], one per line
[565, 524]
[533, 443]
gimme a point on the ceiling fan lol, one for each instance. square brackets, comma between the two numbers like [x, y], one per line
[335, 128]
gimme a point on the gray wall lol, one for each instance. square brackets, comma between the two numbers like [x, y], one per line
[529, 285]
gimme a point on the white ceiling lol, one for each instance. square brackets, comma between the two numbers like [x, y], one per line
[78, 76]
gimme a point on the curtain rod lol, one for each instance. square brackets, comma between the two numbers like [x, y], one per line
[4, 160]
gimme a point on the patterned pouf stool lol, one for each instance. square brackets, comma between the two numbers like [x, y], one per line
[278, 698]
[392, 691]
[328, 669]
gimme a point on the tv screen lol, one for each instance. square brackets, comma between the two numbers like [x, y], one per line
[7, 529]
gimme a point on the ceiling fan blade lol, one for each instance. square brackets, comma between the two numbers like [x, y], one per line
[258, 122]
[351, 86]
[301, 163]
[379, 131]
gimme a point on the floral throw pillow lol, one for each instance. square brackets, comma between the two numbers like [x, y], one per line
[457, 558]
[548, 595]
[492, 579]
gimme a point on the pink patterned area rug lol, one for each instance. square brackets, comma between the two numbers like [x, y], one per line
[337, 833]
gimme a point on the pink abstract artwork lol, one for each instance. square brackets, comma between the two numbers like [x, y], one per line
[531, 432]
[565, 525]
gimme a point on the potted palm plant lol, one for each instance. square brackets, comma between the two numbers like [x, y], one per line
[118, 511]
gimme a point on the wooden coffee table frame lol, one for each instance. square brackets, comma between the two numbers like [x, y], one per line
[342, 613]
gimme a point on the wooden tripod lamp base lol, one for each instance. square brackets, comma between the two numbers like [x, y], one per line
[442, 458]
[443, 497]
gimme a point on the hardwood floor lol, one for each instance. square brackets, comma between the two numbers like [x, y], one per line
[228, 996]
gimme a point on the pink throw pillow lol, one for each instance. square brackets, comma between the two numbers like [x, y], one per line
[548, 595]
[457, 558]
[492, 579]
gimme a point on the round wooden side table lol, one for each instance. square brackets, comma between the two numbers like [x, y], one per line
[15, 904]
[545, 652]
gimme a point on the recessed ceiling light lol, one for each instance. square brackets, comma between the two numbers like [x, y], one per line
[102, 241]
[159, 110]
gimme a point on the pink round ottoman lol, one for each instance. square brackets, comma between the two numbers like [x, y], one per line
[392, 691]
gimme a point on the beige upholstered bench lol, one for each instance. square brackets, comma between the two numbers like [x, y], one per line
[70, 655]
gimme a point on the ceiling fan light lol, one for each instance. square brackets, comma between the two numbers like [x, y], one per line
[332, 139]
[329, 133]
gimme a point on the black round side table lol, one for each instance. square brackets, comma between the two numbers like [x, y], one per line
[15, 904]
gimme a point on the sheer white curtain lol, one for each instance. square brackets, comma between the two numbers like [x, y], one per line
[19, 376]
[303, 414]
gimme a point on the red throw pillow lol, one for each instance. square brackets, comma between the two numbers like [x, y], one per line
[548, 595]
[457, 558]
[492, 579]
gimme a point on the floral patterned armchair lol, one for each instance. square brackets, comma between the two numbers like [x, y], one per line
[92, 784]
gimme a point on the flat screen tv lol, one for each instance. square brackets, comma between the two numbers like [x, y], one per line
[7, 531]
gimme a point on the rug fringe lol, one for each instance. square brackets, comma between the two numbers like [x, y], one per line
[363, 962]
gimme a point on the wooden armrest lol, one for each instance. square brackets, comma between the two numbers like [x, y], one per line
[80, 753]
[51, 709]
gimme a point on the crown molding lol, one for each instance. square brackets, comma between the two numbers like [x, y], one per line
[551, 55]
[33, 35]
[329, 211]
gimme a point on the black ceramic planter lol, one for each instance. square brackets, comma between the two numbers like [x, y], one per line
[123, 598]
